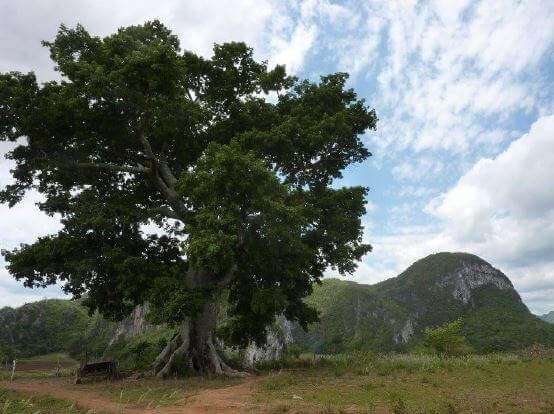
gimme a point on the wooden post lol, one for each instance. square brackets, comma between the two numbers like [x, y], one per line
[13, 370]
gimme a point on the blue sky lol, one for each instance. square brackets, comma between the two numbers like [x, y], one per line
[464, 149]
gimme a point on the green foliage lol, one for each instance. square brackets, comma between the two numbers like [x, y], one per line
[243, 186]
[18, 403]
[548, 317]
[499, 321]
[447, 339]
[6, 351]
[94, 339]
[358, 317]
[139, 352]
[42, 327]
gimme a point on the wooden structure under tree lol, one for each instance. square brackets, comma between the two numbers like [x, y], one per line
[109, 368]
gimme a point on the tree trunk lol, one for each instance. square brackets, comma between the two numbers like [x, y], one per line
[194, 345]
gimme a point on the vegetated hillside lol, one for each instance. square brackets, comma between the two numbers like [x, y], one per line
[42, 327]
[390, 315]
[439, 288]
[548, 317]
[57, 325]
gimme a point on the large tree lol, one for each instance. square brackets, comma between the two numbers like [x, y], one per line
[232, 161]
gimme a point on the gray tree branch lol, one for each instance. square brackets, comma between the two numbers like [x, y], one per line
[112, 167]
[166, 212]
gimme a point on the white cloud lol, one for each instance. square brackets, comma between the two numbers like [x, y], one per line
[415, 191]
[506, 196]
[12, 294]
[415, 171]
[502, 209]
[267, 25]
[447, 65]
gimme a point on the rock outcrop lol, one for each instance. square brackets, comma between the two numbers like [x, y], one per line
[279, 335]
[136, 323]
[393, 314]
[469, 276]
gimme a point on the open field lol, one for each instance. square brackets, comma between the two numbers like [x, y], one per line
[361, 383]
[23, 403]
[44, 366]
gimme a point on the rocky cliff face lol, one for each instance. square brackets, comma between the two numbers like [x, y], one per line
[469, 276]
[548, 317]
[133, 325]
[393, 314]
[437, 289]
[278, 337]
[459, 283]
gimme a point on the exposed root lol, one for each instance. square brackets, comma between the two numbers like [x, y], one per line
[177, 347]
[202, 356]
[221, 367]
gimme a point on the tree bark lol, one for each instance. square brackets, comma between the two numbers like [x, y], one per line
[194, 345]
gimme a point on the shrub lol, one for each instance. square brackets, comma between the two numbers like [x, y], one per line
[447, 339]
[139, 352]
[6, 351]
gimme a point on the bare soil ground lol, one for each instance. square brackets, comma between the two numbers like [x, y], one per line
[38, 366]
[231, 399]
[44, 363]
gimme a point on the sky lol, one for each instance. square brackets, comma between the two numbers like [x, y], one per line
[463, 155]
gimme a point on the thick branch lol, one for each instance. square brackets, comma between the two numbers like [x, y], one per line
[166, 174]
[228, 276]
[111, 167]
[164, 179]
[68, 162]
[166, 212]
[148, 148]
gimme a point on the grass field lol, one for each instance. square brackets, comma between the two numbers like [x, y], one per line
[418, 384]
[157, 393]
[43, 366]
[354, 383]
[19, 403]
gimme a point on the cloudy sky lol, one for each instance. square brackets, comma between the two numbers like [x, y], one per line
[464, 89]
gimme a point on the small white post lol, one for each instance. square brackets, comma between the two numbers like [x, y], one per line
[13, 370]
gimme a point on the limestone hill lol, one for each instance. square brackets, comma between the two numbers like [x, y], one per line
[439, 288]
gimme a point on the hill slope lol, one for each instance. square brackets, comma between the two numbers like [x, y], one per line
[548, 317]
[390, 315]
[42, 327]
[439, 288]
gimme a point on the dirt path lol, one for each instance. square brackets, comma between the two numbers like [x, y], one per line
[233, 400]
[56, 389]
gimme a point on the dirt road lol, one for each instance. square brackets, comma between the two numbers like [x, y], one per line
[233, 399]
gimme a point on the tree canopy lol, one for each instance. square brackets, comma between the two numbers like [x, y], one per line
[236, 163]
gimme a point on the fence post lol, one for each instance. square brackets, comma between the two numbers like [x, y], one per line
[13, 370]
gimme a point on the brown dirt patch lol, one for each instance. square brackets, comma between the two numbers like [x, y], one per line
[38, 366]
[233, 399]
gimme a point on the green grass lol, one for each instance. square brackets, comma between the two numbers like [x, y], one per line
[354, 383]
[19, 403]
[41, 366]
[4, 376]
[51, 358]
[417, 384]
